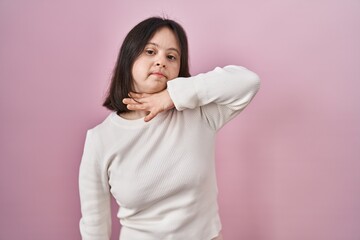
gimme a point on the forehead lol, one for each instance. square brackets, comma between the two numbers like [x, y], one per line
[165, 37]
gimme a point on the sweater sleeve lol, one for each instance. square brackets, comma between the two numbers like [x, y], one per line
[95, 223]
[221, 93]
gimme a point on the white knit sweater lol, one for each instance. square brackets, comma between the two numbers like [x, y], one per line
[162, 172]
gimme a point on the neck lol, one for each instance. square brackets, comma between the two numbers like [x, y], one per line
[133, 115]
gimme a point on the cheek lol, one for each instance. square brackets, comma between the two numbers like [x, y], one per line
[140, 63]
[134, 68]
[138, 69]
[175, 71]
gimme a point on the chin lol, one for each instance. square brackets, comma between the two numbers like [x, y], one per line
[155, 89]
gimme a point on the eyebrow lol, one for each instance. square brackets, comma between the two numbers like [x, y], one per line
[157, 45]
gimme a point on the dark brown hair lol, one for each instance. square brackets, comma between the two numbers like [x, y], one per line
[133, 45]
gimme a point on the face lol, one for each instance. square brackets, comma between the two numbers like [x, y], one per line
[158, 63]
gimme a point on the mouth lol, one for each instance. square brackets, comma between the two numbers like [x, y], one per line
[158, 74]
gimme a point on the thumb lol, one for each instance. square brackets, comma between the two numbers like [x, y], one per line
[150, 116]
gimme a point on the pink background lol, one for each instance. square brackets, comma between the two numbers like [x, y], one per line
[288, 166]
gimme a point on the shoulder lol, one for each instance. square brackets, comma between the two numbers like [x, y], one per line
[96, 134]
[101, 127]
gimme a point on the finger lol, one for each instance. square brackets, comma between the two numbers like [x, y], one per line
[136, 98]
[130, 101]
[150, 116]
[136, 106]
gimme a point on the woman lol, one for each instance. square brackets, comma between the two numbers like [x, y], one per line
[155, 151]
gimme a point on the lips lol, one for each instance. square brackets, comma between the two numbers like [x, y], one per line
[158, 74]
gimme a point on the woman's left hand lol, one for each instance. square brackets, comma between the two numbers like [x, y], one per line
[153, 103]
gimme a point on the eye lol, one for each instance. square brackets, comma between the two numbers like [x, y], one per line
[149, 51]
[171, 57]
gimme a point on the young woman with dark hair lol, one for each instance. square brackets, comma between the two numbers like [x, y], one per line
[154, 153]
[133, 45]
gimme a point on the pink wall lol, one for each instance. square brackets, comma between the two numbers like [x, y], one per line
[288, 167]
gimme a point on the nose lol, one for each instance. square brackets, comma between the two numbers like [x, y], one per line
[160, 65]
[160, 62]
